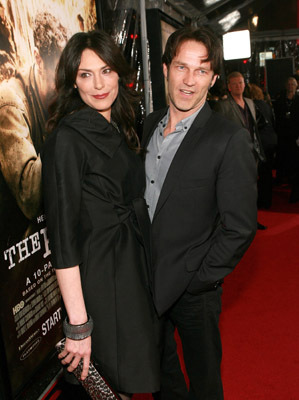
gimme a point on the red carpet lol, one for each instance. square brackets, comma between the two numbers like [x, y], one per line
[259, 322]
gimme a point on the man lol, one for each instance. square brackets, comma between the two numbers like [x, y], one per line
[23, 104]
[242, 110]
[201, 194]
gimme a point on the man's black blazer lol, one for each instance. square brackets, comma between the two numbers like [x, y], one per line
[231, 110]
[206, 215]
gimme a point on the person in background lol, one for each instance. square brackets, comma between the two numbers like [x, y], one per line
[241, 110]
[296, 76]
[24, 100]
[201, 197]
[265, 123]
[286, 109]
[99, 230]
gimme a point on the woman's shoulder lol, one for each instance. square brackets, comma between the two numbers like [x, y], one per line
[84, 115]
[63, 135]
[80, 124]
[87, 127]
[85, 119]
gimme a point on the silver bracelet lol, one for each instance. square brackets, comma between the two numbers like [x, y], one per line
[77, 332]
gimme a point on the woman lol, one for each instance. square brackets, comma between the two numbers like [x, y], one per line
[98, 225]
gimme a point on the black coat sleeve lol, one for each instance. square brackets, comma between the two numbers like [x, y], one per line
[63, 164]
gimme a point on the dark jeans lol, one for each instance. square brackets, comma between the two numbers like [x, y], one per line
[196, 318]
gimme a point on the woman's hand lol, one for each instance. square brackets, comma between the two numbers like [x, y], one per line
[73, 351]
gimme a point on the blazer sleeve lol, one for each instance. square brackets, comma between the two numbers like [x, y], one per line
[236, 193]
[63, 164]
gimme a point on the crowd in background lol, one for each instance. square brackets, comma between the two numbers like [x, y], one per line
[277, 124]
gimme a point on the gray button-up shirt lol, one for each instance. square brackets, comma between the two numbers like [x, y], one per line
[160, 153]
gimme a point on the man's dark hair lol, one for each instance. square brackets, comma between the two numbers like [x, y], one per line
[49, 35]
[203, 35]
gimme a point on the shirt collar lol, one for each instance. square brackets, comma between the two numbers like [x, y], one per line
[183, 125]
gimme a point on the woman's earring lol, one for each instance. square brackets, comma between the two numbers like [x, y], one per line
[75, 86]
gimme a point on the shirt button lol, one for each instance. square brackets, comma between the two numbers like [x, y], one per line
[152, 181]
[159, 157]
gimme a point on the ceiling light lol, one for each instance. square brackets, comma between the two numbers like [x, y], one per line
[209, 3]
[255, 20]
[229, 20]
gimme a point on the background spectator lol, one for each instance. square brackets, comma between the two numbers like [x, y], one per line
[268, 136]
[286, 109]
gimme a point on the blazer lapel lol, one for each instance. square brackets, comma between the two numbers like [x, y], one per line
[181, 156]
[236, 111]
[251, 107]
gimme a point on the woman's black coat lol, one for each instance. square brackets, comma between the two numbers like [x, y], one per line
[97, 218]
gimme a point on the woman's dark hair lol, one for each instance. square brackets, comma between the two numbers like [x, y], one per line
[203, 35]
[67, 98]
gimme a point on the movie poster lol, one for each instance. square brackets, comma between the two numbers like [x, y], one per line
[32, 35]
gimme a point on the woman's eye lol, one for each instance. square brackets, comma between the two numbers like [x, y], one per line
[107, 70]
[84, 75]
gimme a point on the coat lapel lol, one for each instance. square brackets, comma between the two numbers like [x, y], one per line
[181, 155]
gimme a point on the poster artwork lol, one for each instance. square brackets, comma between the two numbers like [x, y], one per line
[32, 36]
